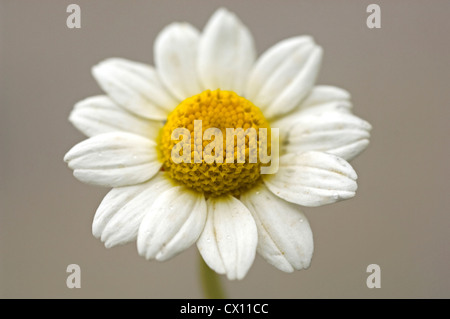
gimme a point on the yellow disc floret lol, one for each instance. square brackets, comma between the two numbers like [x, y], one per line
[217, 162]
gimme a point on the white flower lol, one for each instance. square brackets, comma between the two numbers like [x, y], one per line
[230, 211]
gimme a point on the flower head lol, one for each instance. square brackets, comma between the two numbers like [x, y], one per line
[161, 138]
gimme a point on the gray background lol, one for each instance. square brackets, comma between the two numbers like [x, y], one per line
[399, 79]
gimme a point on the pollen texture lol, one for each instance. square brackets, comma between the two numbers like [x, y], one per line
[215, 163]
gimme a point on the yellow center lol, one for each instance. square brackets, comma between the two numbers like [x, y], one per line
[210, 170]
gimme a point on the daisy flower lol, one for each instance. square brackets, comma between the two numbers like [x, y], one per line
[229, 210]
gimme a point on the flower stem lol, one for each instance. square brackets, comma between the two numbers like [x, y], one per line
[212, 287]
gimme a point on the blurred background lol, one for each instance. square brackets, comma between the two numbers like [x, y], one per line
[398, 76]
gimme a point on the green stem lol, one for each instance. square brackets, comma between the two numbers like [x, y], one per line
[212, 287]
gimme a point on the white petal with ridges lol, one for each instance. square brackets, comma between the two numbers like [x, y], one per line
[175, 53]
[114, 159]
[99, 114]
[134, 86]
[341, 134]
[320, 100]
[312, 179]
[172, 224]
[229, 239]
[285, 238]
[325, 93]
[226, 53]
[120, 213]
[284, 75]
[271, 60]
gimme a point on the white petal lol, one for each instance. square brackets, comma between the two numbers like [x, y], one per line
[99, 114]
[321, 99]
[114, 159]
[284, 75]
[325, 93]
[341, 134]
[176, 59]
[271, 60]
[134, 86]
[226, 53]
[285, 239]
[229, 239]
[312, 179]
[120, 213]
[172, 223]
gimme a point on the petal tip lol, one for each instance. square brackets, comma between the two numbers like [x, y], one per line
[68, 156]
[108, 244]
[102, 68]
